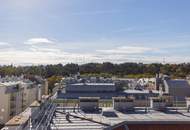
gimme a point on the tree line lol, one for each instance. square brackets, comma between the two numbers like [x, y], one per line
[107, 69]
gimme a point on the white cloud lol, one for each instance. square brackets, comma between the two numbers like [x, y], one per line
[36, 41]
[45, 48]
[40, 57]
[55, 53]
[127, 50]
[37, 53]
[3, 43]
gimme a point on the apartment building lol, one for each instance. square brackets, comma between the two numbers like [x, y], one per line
[30, 93]
[43, 84]
[15, 97]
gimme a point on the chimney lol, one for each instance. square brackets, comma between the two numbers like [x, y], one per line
[39, 93]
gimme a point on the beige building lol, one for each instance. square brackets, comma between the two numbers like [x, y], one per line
[44, 87]
[23, 120]
[30, 94]
[15, 97]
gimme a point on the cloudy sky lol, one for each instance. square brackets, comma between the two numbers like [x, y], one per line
[81, 31]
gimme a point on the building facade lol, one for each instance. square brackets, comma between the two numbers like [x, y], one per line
[15, 97]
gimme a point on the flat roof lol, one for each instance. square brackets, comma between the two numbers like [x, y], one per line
[94, 84]
[35, 104]
[4, 84]
[123, 98]
[89, 97]
[131, 91]
[17, 120]
[137, 117]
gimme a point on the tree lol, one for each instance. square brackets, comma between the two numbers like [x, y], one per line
[51, 82]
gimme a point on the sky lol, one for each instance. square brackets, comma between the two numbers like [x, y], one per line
[34, 32]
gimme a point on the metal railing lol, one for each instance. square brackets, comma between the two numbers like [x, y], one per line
[46, 118]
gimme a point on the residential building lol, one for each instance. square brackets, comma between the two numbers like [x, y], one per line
[11, 98]
[15, 97]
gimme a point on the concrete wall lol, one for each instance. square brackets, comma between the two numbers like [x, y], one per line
[4, 105]
[30, 95]
[141, 103]
[123, 105]
[19, 102]
[10, 104]
[188, 103]
[44, 87]
[157, 105]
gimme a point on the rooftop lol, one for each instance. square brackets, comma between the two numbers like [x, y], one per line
[105, 118]
[140, 91]
[94, 84]
[12, 83]
[17, 120]
[178, 83]
[4, 84]
[35, 104]
[20, 119]
[137, 117]
[89, 98]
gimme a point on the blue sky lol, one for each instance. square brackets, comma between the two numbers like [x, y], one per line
[80, 31]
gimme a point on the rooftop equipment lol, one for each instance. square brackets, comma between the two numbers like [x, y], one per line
[89, 104]
[123, 103]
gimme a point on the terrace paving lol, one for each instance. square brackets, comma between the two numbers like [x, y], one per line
[137, 117]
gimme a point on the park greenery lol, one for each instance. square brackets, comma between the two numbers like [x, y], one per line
[107, 69]
[54, 73]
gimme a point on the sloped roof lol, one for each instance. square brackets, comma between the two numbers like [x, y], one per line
[178, 83]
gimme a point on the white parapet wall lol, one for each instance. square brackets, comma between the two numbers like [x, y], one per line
[188, 102]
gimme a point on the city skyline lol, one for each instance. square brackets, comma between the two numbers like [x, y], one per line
[81, 31]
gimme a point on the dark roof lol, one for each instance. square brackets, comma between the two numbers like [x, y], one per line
[178, 83]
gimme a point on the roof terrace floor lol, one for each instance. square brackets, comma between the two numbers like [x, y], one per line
[133, 117]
